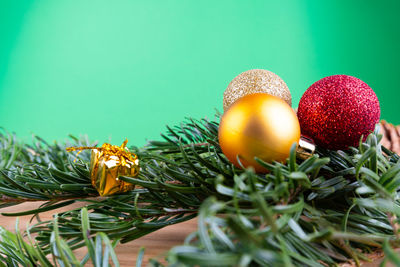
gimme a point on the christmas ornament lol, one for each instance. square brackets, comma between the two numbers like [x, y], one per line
[107, 163]
[256, 81]
[337, 110]
[258, 125]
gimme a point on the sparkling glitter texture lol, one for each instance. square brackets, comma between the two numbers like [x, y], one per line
[337, 110]
[256, 81]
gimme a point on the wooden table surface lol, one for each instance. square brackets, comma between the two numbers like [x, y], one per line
[156, 244]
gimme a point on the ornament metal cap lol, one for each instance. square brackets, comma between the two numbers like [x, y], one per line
[306, 148]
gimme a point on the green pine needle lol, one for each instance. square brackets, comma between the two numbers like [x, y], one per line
[334, 207]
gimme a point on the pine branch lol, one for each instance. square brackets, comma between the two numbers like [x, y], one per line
[167, 183]
[350, 218]
[41, 172]
[17, 251]
[330, 208]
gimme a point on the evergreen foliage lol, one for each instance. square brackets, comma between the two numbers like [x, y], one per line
[333, 207]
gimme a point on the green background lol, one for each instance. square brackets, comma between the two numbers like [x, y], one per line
[125, 69]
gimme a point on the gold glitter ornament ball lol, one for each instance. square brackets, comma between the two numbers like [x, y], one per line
[258, 125]
[256, 81]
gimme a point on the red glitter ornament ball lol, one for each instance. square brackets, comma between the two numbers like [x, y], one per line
[337, 110]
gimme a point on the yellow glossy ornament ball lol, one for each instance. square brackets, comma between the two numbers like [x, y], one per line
[258, 125]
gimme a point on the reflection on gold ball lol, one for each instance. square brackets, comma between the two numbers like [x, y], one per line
[256, 81]
[258, 125]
